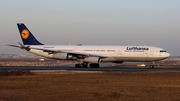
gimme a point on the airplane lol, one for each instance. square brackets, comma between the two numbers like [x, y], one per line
[90, 55]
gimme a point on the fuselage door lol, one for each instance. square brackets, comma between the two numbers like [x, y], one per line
[145, 54]
[151, 52]
[75, 49]
[120, 51]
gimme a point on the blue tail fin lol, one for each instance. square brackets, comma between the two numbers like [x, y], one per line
[27, 36]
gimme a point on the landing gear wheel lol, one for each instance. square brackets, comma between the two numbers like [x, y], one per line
[85, 65]
[152, 66]
[94, 65]
[77, 65]
[97, 66]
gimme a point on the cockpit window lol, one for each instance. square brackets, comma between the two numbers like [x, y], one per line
[162, 50]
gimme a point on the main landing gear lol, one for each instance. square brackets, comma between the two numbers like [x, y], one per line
[85, 65]
[94, 65]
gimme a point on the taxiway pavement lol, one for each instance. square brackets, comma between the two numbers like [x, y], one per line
[115, 68]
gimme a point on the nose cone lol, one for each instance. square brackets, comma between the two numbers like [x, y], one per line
[167, 55]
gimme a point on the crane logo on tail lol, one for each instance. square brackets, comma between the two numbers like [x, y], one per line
[25, 34]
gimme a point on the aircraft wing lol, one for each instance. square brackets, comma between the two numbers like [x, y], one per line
[76, 54]
[86, 54]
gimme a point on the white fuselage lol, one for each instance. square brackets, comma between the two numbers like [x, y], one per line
[110, 53]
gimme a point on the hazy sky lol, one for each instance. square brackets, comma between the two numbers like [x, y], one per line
[93, 22]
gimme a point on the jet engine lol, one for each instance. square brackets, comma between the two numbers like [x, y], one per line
[92, 59]
[61, 56]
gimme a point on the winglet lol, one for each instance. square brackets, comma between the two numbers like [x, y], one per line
[27, 36]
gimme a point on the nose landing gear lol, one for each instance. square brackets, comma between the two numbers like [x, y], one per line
[152, 66]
